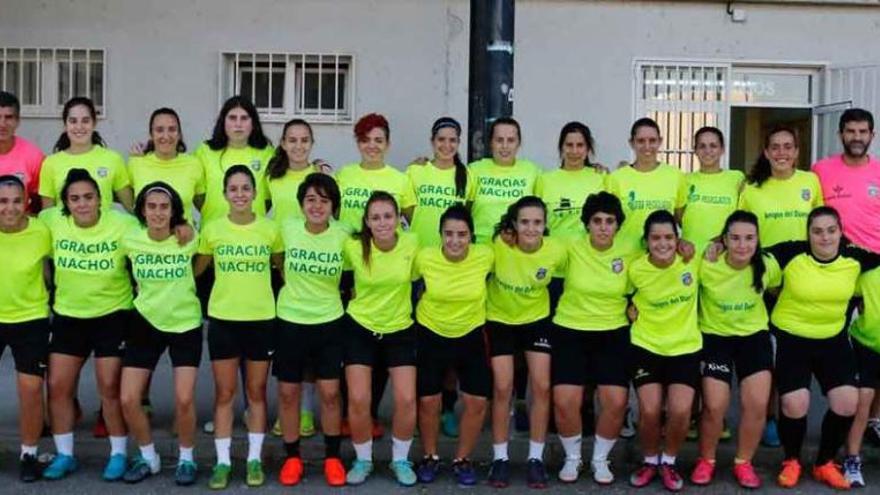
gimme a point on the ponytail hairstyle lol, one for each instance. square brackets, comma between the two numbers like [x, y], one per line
[219, 139]
[825, 210]
[63, 141]
[460, 168]
[75, 175]
[366, 235]
[509, 218]
[279, 163]
[239, 169]
[12, 180]
[709, 130]
[181, 146]
[643, 122]
[584, 131]
[761, 170]
[177, 216]
[459, 212]
[757, 261]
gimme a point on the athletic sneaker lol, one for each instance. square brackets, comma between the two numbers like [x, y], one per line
[334, 471]
[142, 469]
[672, 481]
[872, 432]
[428, 469]
[254, 475]
[60, 467]
[570, 471]
[449, 424]
[643, 476]
[746, 476]
[602, 473]
[306, 424]
[790, 473]
[465, 474]
[536, 474]
[703, 472]
[770, 437]
[829, 473]
[276, 428]
[852, 471]
[291, 471]
[629, 425]
[185, 474]
[359, 472]
[29, 468]
[219, 477]
[115, 468]
[403, 472]
[693, 431]
[499, 473]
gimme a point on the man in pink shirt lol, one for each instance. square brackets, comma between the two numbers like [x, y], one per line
[18, 156]
[851, 181]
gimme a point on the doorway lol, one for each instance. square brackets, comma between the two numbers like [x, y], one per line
[749, 125]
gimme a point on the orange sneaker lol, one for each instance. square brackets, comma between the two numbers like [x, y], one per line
[334, 471]
[829, 473]
[291, 472]
[790, 473]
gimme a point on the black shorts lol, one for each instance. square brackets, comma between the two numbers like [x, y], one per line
[867, 365]
[748, 354]
[29, 341]
[581, 357]
[832, 360]
[648, 368]
[466, 354]
[507, 340]
[104, 335]
[146, 344]
[362, 346]
[317, 347]
[251, 340]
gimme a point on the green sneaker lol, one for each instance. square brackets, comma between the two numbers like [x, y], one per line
[220, 477]
[255, 476]
[359, 472]
[403, 472]
[306, 423]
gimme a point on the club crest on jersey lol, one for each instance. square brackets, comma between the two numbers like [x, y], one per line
[255, 165]
[805, 194]
[102, 172]
[873, 190]
[687, 278]
[617, 265]
[542, 272]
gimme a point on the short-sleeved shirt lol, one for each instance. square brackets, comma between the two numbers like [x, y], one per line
[357, 183]
[855, 193]
[24, 292]
[564, 192]
[104, 165]
[215, 164]
[782, 206]
[24, 161]
[729, 303]
[518, 291]
[283, 191]
[434, 191]
[711, 198]
[184, 173]
[495, 188]
[866, 328]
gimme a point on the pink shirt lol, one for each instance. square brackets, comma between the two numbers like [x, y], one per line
[855, 193]
[24, 161]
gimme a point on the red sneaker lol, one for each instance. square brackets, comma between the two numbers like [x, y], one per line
[643, 476]
[703, 472]
[334, 471]
[672, 481]
[291, 472]
[746, 476]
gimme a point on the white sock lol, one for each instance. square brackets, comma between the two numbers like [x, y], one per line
[255, 446]
[307, 397]
[572, 447]
[653, 460]
[500, 451]
[363, 451]
[400, 449]
[667, 459]
[64, 443]
[148, 452]
[186, 454]
[28, 450]
[536, 450]
[222, 446]
[602, 447]
[118, 445]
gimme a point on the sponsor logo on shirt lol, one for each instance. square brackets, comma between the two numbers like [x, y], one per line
[617, 265]
[805, 194]
[687, 278]
[255, 165]
[103, 172]
[542, 272]
[873, 191]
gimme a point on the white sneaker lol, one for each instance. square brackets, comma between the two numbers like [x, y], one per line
[602, 472]
[570, 470]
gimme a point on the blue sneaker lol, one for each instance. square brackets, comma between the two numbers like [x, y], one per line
[770, 438]
[536, 474]
[449, 424]
[359, 472]
[465, 474]
[428, 469]
[60, 467]
[186, 473]
[116, 467]
[403, 472]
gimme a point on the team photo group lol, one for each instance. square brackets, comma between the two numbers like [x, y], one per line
[480, 284]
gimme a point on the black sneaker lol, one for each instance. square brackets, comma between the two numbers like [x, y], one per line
[536, 474]
[499, 473]
[428, 469]
[29, 469]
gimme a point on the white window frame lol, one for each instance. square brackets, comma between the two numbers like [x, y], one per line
[48, 102]
[233, 64]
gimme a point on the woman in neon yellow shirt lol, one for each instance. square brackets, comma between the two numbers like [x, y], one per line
[779, 194]
[665, 350]
[379, 332]
[80, 146]
[93, 301]
[167, 316]
[24, 312]
[450, 317]
[734, 323]
[517, 309]
[243, 247]
[590, 334]
[289, 167]
[501, 179]
[310, 323]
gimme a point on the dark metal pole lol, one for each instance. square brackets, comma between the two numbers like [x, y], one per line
[491, 70]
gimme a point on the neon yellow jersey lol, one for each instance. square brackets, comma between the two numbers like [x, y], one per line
[184, 173]
[642, 193]
[454, 301]
[711, 198]
[283, 190]
[313, 265]
[596, 286]
[104, 165]
[564, 192]
[729, 305]
[434, 191]
[24, 292]
[495, 188]
[215, 164]
[382, 290]
[518, 287]
[866, 328]
[242, 268]
[91, 277]
[667, 302]
[166, 289]
[782, 206]
[356, 184]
